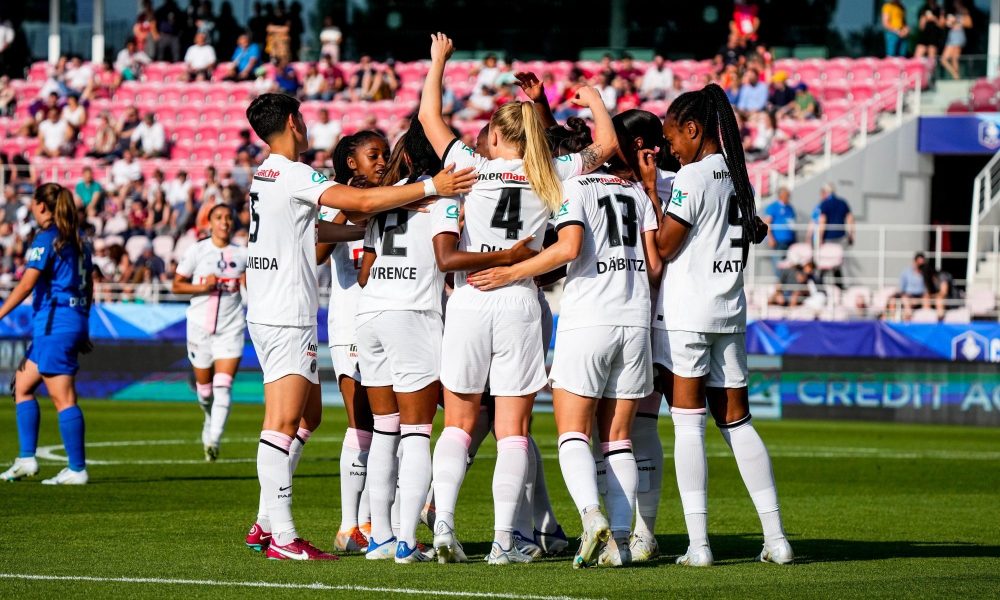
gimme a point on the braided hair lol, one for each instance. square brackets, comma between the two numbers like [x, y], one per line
[412, 158]
[710, 108]
[633, 125]
[346, 147]
[569, 138]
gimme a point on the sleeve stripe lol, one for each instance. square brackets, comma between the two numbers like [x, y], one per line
[447, 150]
[567, 223]
[678, 219]
[368, 249]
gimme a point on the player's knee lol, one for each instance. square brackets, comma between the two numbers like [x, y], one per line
[733, 422]
[204, 390]
[222, 380]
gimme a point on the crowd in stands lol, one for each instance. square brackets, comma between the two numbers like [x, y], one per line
[940, 31]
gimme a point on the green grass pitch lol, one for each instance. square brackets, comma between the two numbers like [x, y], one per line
[883, 510]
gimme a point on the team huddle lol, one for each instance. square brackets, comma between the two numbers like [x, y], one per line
[438, 251]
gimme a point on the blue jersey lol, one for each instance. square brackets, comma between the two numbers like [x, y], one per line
[61, 294]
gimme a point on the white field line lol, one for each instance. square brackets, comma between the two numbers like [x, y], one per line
[53, 453]
[282, 586]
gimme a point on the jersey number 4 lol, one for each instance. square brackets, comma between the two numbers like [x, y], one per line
[630, 221]
[254, 217]
[507, 215]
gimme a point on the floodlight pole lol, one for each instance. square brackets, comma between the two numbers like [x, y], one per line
[97, 41]
[54, 40]
[993, 49]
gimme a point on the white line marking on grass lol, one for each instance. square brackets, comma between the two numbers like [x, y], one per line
[282, 586]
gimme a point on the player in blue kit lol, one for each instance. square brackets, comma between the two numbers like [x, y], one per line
[58, 275]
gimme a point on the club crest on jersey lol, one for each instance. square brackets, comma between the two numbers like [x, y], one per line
[35, 254]
[563, 208]
[451, 211]
[678, 197]
[468, 150]
[318, 177]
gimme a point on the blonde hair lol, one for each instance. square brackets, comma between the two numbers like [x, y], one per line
[59, 201]
[517, 123]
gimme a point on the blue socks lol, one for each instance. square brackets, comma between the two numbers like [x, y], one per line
[71, 428]
[27, 415]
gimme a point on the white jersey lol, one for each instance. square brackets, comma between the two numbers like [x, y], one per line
[281, 266]
[664, 186]
[221, 310]
[405, 274]
[502, 207]
[345, 264]
[702, 289]
[607, 284]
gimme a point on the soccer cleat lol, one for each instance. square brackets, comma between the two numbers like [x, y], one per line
[68, 477]
[596, 531]
[211, 453]
[407, 555]
[552, 543]
[258, 539]
[366, 530]
[697, 557]
[499, 556]
[616, 553]
[527, 546]
[643, 548]
[351, 540]
[779, 553]
[384, 551]
[298, 549]
[446, 546]
[22, 468]
[428, 515]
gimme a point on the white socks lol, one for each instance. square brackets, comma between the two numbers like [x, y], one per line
[451, 455]
[294, 454]
[275, 476]
[525, 513]
[508, 485]
[204, 391]
[649, 463]
[381, 480]
[222, 386]
[691, 466]
[622, 482]
[755, 468]
[578, 470]
[414, 478]
[544, 517]
[353, 471]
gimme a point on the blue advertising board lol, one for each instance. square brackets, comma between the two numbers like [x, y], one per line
[975, 133]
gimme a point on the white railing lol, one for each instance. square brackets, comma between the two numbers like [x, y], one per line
[985, 213]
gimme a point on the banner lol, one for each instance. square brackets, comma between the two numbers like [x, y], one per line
[977, 133]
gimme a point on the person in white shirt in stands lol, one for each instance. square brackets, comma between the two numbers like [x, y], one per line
[79, 78]
[149, 140]
[284, 200]
[55, 136]
[657, 80]
[699, 331]
[200, 59]
[324, 134]
[125, 171]
[129, 62]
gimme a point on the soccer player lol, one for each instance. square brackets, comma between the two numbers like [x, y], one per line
[359, 161]
[495, 335]
[603, 365]
[58, 276]
[699, 339]
[282, 302]
[213, 271]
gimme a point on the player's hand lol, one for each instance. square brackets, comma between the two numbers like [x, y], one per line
[210, 283]
[441, 47]
[647, 168]
[450, 182]
[587, 96]
[423, 205]
[532, 87]
[491, 279]
[520, 251]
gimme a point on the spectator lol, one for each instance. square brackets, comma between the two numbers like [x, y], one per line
[796, 285]
[278, 34]
[88, 193]
[780, 217]
[330, 38]
[227, 30]
[138, 216]
[105, 139]
[957, 22]
[55, 136]
[553, 89]
[836, 222]
[335, 78]
[325, 134]
[79, 79]
[200, 59]
[247, 146]
[149, 268]
[211, 192]
[130, 62]
[487, 73]
[125, 171]
[608, 92]
[361, 79]
[315, 85]
[160, 219]
[911, 287]
[8, 97]
[753, 93]
[74, 114]
[245, 59]
[204, 20]
[242, 171]
[385, 83]
[14, 52]
[144, 30]
[295, 28]
[168, 24]
[657, 80]
[931, 24]
[258, 24]
[757, 145]
[149, 140]
[628, 97]
[804, 106]
[675, 90]
[180, 197]
[894, 23]
[371, 124]
[745, 21]
[940, 287]
[627, 70]
[286, 78]
[732, 53]
[781, 94]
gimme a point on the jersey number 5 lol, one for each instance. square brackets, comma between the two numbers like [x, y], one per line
[507, 215]
[629, 220]
[254, 217]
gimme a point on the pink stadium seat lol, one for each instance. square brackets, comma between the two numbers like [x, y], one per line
[835, 91]
[888, 70]
[862, 70]
[810, 71]
[835, 109]
[982, 95]
[980, 301]
[212, 114]
[921, 68]
[880, 299]
[802, 313]
[831, 256]
[163, 246]
[836, 70]
[204, 153]
[797, 254]
[234, 113]
[188, 114]
[958, 106]
[183, 132]
[862, 91]
[207, 133]
[856, 296]
[219, 95]
[924, 315]
[240, 93]
[958, 316]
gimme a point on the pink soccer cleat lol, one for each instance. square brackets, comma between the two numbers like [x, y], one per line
[257, 539]
[298, 549]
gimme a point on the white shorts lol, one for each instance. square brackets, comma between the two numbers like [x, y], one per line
[345, 361]
[603, 362]
[205, 348]
[721, 356]
[543, 302]
[495, 336]
[401, 348]
[284, 350]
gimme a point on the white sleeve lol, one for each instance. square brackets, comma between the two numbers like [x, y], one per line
[462, 156]
[568, 165]
[664, 186]
[188, 263]
[571, 211]
[686, 198]
[371, 235]
[306, 185]
[444, 216]
[647, 215]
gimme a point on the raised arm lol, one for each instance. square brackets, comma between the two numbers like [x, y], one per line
[535, 92]
[437, 131]
[558, 254]
[605, 140]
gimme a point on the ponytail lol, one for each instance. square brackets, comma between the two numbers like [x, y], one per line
[517, 123]
[59, 201]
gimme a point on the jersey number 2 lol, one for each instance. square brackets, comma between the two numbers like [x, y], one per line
[390, 233]
[254, 217]
[507, 215]
[629, 220]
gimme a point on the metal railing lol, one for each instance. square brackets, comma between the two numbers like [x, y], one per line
[985, 216]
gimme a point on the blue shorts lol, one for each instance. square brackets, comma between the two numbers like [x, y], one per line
[58, 352]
